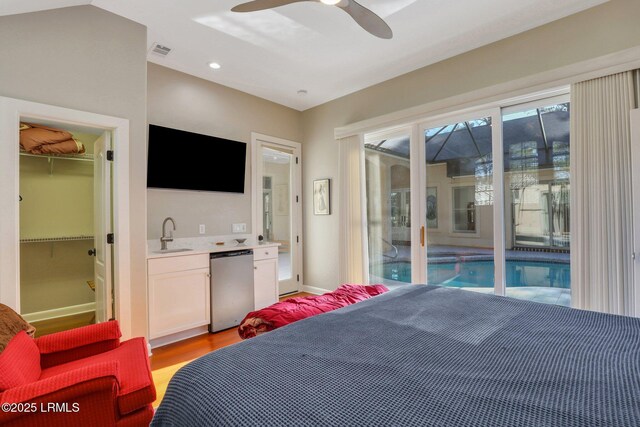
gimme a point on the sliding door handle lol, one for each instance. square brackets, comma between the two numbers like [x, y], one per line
[422, 236]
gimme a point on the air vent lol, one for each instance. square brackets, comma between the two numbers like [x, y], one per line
[161, 50]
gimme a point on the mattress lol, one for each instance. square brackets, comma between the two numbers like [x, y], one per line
[421, 356]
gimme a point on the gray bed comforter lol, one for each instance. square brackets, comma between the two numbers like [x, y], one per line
[421, 356]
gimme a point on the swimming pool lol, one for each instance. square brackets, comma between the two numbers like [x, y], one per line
[480, 274]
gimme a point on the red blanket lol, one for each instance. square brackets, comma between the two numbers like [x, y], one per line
[293, 309]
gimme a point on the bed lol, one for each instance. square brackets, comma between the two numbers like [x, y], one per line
[421, 356]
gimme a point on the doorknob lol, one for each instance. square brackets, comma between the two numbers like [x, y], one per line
[92, 252]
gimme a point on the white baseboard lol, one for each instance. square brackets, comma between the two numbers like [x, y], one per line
[314, 290]
[59, 312]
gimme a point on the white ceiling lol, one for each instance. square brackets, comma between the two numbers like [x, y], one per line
[275, 53]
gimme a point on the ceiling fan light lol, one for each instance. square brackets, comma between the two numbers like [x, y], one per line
[330, 2]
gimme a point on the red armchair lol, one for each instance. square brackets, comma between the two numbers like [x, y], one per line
[83, 377]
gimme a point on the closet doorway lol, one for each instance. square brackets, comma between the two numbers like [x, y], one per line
[116, 218]
[65, 225]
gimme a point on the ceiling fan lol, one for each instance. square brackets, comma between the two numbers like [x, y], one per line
[363, 16]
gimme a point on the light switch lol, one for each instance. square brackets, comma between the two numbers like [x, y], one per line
[202, 229]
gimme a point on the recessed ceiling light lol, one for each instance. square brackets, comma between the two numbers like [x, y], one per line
[214, 65]
[330, 2]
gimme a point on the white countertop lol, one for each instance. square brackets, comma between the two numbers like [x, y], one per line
[203, 245]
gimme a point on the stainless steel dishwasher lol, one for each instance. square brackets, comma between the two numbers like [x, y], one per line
[231, 288]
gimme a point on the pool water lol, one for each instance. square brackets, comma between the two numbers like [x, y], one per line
[480, 274]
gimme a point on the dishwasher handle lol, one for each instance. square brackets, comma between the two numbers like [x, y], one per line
[231, 254]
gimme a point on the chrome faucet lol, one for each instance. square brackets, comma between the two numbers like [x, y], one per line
[164, 239]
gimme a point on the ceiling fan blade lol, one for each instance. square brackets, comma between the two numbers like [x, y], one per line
[256, 5]
[366, 19]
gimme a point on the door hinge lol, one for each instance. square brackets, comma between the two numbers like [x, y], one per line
[297, 200]
[110, 238]
[297, 277]
[297, 239]
[110, 155]
[296, 160]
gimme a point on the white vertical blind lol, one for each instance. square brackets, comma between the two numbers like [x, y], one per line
[353, 235]
[601, 214]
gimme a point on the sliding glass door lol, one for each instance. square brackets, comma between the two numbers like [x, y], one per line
[476, 201]
[389, 199]
[537, 189]
[459, 203]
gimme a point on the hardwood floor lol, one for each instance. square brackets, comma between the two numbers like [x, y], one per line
[166, 360]
[45, 327]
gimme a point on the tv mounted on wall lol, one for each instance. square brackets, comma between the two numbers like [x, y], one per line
[183, 160]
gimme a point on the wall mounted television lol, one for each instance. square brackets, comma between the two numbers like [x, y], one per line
[183, 160]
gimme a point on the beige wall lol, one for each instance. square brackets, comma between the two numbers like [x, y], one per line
[604, 29]
[181, 101]
[87, 59]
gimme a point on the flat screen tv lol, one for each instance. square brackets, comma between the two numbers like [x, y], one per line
[183, 160]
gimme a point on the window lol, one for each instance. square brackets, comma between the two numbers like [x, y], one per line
[464, 209]
[510, 162]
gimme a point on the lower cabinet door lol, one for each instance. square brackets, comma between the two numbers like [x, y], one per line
[178, 301]
[265, 282]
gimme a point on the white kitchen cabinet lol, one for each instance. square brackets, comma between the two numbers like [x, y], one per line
[179, 294]
[265, 277]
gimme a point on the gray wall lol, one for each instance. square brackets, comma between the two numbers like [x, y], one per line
[605, 29]
[87, 59]
[181, 101]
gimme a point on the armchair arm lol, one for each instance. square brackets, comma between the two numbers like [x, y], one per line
[74, 344]
[91, 386]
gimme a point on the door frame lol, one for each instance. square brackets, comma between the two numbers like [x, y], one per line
[259, 140]
[11, 111]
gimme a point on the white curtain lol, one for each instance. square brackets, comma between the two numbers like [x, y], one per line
[353, 235]
[601, 216]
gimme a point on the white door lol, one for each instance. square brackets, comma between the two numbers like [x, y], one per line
[102, 227]
[278, 205]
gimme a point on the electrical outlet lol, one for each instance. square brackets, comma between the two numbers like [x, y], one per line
[202, 229]
[239, 228]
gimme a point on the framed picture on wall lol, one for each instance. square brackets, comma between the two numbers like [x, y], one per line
[432, 207]
[322, 197]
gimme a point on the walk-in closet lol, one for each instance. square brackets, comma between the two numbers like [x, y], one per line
[59, 195]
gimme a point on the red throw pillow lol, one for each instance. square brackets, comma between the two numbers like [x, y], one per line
[19, 362]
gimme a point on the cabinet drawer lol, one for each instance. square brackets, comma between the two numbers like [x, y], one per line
[265, 253]
[178, 263]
